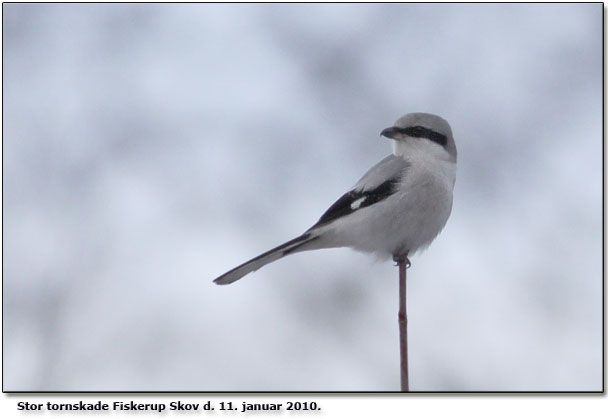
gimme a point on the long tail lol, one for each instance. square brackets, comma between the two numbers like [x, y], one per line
[265, 258]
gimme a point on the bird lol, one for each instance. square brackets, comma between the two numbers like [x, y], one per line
[397, 208]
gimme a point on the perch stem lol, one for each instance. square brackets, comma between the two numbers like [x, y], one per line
[403, 263]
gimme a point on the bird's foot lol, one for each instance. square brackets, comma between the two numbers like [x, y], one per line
[399, 259]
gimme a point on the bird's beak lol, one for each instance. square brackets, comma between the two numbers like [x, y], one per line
[389, 132]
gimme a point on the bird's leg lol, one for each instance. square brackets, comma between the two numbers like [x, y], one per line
[398, 259]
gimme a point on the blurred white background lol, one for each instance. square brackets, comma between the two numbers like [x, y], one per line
[150, 148]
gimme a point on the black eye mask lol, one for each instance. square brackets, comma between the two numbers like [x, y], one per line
[422, 132]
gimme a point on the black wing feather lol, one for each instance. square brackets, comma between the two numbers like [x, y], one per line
[343, 206]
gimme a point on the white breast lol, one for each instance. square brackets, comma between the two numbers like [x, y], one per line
[411, 218]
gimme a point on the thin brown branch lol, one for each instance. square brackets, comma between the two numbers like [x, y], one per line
[403, 264]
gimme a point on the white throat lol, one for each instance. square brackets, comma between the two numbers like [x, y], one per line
[428, 157]
[416, 148]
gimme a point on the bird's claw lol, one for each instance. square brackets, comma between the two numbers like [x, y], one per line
[398, 259]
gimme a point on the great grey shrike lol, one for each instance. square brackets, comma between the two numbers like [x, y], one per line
[397, 208]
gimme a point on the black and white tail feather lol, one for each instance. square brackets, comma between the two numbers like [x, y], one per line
[265, 258]
[399, 206]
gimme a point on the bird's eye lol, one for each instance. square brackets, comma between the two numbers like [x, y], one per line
[417, 131]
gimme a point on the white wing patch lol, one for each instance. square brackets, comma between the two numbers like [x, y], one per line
[357, 203]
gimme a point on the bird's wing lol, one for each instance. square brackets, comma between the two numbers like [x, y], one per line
[390, 167]
[376, 185]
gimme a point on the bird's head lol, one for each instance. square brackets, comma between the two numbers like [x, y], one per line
[422, 132]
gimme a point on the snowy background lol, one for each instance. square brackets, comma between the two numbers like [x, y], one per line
[150, 148]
